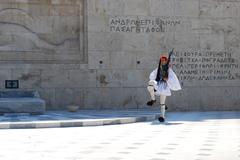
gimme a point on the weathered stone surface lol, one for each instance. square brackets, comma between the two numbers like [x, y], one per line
[99, 60]
[187, 8]
[28, 78]
[44, 30]
[66, 97]
[130, 98]
[104, 41]
[147, 62]
[49, 96]
[136, 7]
[109, 78]
[212, 42]
[142, 97]
[97, 23]
[99, 53]
[205, 99]
[106, 7]
[186, 41]
[123, 60]
[68, 78]
[135, 42]
[162, 7]
[92, 100]
[5, 74]
[21, 102]
[221, 9]
[135, 78]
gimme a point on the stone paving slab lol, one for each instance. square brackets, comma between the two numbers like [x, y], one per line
[185, 136]
[53, 119]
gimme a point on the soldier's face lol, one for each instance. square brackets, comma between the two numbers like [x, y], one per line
[163, 62]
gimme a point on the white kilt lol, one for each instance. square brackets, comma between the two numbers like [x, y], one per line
[164, 88]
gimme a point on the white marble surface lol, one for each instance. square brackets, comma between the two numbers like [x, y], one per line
[186, 136]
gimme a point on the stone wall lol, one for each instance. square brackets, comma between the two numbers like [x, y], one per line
[99, 53]
[43, 44]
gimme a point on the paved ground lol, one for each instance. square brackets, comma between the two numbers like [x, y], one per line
[186, 136]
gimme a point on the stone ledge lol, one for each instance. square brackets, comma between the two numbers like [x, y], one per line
[21, 102]
[75, 123]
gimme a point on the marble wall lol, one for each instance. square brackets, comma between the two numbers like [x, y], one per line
[99, 53]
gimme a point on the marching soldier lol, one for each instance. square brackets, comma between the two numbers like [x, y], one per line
[162, 81]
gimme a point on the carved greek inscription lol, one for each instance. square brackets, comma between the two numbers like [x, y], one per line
[141, 24]
[206, 66]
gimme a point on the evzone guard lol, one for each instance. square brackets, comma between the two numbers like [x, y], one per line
[162, 81]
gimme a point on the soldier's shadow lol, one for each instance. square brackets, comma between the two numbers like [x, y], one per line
[156, 122]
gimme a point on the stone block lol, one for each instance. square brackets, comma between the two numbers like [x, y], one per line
[104, 41]
[231, 42]
[68, 78]
[178, 101]
[129, 98]
[111, 98]
[135, 78]
[66, 24]
[97, 23]
[49, 96]
[54, 78]
[187, 8]
[226, 26]
[186, 40]
[162, 7]
[5, 74]
[147, 61]
[66, 97]
[142, 97]
[123, 60]
[105, 7]
[72, 2]
[97, 98]
[48, 66]
[99, 60]
[194, 100]
[182, 24]
[218, 9]
[42, 24]
[64, 10]
[198, 25]
[212, 42]
[115, 98]
[34, 9]
[158, 42]
[21, 102]
[213, 83]
[161, 42]
[136, 7]
[4, 4]
[35, 27]
[82, 78]
[136, 42]
[216, 99]
[109, 78]
[28, 78]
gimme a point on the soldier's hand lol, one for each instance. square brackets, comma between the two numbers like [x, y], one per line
[165, 79]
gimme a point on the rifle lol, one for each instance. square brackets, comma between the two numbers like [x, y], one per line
[166, 66]
[169, 56]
